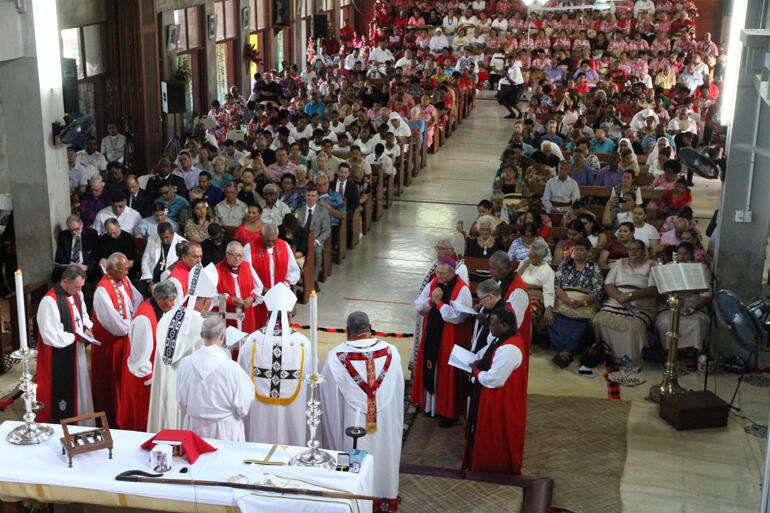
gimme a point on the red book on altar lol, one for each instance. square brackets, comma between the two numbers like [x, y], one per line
[192, 445]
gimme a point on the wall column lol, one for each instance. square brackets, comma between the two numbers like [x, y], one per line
[31, 90]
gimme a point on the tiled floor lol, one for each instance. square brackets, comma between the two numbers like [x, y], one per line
[717, 470]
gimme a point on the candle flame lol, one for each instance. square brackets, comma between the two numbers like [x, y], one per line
[313, 293]
[18, 271]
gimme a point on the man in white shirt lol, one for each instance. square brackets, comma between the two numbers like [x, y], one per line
[128, 218]
[561, 188]
[380, 55]
[91, 157]
[274, 209]
[352, 59]
[682, 122]
[379, 157]
[510, 95]
[213, 391]
[643, 6]
[114, 144]
[79, 173]
[186, 170]
[230, 211]
[407, 61]
[232, 155]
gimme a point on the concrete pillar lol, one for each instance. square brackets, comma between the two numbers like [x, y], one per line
[744, 216]
[32, 99]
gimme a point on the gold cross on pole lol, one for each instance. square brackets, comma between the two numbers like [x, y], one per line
[222, 311]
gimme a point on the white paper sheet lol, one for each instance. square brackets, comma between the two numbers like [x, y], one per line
[461, 358]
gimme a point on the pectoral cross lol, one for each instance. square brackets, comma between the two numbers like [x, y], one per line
[77, 321]
[222, 311]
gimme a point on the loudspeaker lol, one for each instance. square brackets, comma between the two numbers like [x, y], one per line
[320, 25]
[172, 97]
[69, 82]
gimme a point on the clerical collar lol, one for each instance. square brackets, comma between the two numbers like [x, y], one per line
[234, 270]
[363, 343]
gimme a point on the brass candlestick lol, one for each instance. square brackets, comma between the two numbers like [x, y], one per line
[31, 432]
[670, 385]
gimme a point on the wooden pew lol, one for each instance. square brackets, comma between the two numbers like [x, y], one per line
[356, 228]
[414, 150]
[475, 264]
[326, 260]
[308, 270]
[230, 231]
[378, 192]
[342, 242]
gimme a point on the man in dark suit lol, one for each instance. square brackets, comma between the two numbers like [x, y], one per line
[76, 245]
[138, 199]
[164, 174]
[312, 217]
[349, 192]
[214, 247]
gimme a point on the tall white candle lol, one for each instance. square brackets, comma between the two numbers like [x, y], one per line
[20, 310]
[313, 332]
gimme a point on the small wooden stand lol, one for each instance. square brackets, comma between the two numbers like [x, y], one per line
[85, 441]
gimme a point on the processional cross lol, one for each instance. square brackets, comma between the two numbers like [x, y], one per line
[222, 311]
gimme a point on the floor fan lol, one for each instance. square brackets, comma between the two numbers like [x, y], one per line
[744, 324]
[702, 164]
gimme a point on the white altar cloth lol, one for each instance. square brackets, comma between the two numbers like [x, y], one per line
[41, 472]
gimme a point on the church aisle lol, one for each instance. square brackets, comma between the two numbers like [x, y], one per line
[382, 274]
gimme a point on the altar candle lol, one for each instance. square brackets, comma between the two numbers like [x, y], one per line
[20, 311]
[313, 332]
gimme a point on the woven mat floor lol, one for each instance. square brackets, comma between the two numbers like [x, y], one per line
[578, 442]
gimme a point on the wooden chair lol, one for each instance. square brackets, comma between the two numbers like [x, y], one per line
[308, 270]
[33, 294]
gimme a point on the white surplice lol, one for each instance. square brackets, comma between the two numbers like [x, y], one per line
[344, 404]
[52, 332]
[108, 315]
[165, 412]
[214, 393]
[462, 271]
[268, 420]
[142, 343]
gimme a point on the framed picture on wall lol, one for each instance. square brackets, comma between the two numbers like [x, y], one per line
[245, 18]
[212, 24]
[173, 38]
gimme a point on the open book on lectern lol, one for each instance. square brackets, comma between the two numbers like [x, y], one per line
[689, 277]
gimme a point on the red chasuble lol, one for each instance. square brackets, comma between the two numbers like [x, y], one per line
[107, 359]
[450, 382]
[496, 443]
[182, 273]
[57, 374]
[135, 395]
[525, 330]
[260, 259]
[226, 285]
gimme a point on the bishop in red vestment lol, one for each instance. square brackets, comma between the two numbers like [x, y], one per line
[115, 301]
[136, 375]
[498, 408]
[63, 385]
[241, 284]
[274, 262]
[439, 388]
[515, 293]
[190, 253]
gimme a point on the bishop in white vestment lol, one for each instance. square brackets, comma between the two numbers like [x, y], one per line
[177, 336]
[213, 391]
[276, 364]
[364, 386]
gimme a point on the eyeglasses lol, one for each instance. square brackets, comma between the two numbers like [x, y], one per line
[441, 248]
[237, 255]
[483, 298]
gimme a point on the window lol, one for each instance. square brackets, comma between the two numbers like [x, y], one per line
[85, 44]
[329, 5]
[190, 32]
[227, 20]
[258, 15]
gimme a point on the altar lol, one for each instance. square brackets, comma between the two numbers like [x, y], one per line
[41, 472]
